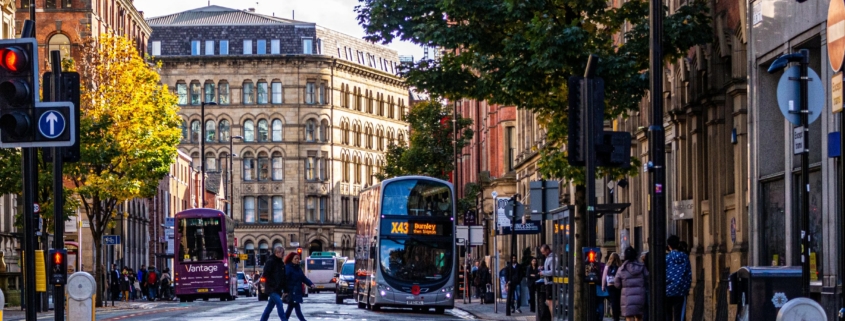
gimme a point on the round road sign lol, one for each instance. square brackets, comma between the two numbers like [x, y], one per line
[36, 208]
[836, 33]
[789, 95]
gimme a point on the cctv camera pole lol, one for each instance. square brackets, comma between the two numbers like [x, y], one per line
[657, 159]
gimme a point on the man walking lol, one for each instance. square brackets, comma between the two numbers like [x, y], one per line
[275, 283]
[152, 283]
[114, 283]
[513, 277]
[678, 279]
[548, 273]
[142, 280]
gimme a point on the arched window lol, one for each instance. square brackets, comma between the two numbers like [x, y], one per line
[370, 101]
[209, 92]
[248, 98]
[263, 252]
[195, 161]
[182, 93]
[356, 135]
[310, 126]
[324, 130]
[225, 133]
[223, 164]
[249, 166]
[278, 210]
[223, 93]
[368, 137]
[263, 166]
[391, 108]
[344, 133]
[184, 131]
[210, 163]
[249, 247]
[249, 131]
[381, 105]
[195, 131]
[380, 138]
[369, 172]
[278, 166]
[277, 130]
[277, 92]
[263, 209]
[263, 130]
[357, 169]
[61, 43]
[345, 168]
[210, 131]
[401, 139]
[262, 92]
[195, 93]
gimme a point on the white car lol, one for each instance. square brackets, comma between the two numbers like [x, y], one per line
[245, 284]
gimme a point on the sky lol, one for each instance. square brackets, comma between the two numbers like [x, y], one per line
[338, 15]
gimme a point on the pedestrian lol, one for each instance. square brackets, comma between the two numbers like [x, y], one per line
[678, 279]
[601, 295]
[152, 283]
[532, 273]
[631, 279]
[165, 284]
[124, 283]
[142, 280]
[114, 283]
[295, 279]
[607, 284]
[548, 274]
[483, 278]
[132, 292]
[513, 278]
[274, 284]
[472, 275]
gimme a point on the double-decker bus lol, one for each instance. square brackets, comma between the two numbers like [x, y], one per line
[204, 260]
[405, 245]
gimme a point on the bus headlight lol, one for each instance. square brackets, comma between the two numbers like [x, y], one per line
[448, 289]
[343, 284]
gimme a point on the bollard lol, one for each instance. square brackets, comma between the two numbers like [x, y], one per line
[81, 288]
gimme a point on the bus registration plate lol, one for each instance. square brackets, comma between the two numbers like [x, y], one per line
[202, 290]
[415, 302]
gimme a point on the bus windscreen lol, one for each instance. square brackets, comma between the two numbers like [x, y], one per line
[200, 239]
[417, 198]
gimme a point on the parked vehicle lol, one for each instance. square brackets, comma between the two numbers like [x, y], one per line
[320, 268]
[245, 284]
[345, 282]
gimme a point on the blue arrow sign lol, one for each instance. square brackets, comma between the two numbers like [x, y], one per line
[51, 124]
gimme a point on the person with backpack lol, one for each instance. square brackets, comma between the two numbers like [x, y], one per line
[165, 285]
[607, 284]
[152, 283]
[482, 279]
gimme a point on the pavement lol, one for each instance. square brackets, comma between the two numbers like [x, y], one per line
[486, 311]
[16, 313]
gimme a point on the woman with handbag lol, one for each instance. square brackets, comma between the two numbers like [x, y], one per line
[607, 284]
[483, 278]
[294, 292]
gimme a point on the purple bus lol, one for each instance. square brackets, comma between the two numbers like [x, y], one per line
[204, 260]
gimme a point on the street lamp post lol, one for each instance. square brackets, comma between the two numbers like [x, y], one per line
[231, 162]
[202, 150]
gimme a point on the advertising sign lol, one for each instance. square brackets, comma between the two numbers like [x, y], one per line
[168, 235]
[530, 227]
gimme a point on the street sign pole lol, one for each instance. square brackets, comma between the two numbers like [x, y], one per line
[657, 157]
[58, 189]
[805, 179]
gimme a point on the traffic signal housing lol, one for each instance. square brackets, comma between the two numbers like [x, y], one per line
[58, 267]
[69, 90]
[586, 95]
[18, 91]
[299, 252]
[591, 264]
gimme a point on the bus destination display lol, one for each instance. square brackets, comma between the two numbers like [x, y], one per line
[416, 228]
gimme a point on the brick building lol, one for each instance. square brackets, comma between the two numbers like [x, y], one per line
[309, 112]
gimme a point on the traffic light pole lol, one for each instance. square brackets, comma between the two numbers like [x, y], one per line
[58, 188]
[30, 179]
[657, 158]
[590, 179]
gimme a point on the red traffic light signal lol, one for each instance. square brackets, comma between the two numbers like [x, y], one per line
[58, 267]
[299, 251]
[13, 59]
[57, 258]
[591, 256]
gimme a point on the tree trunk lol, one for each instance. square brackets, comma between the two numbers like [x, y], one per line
[581, 295]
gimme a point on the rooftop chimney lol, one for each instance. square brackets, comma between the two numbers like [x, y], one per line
[251, 9]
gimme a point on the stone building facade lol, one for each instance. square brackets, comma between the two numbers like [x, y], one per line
[308, 112]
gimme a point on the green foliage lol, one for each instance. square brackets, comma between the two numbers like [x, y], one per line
[466, 203]
[431, 149]
[521, 53]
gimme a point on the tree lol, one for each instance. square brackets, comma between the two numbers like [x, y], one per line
[521, 53]
[430, 151]
[130, 131]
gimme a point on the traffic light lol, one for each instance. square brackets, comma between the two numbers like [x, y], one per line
[299, 251]
[591, 260]
[615, 150]
[586, 95]
[18, 91]
[58, 267]
[68, 91]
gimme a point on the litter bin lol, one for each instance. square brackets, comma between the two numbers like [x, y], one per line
[760, 291]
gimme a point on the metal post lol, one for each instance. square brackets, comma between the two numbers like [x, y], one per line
[805, 179]
[495, 272]
[657, 158]
[30, 178]
[58, 188]
[202, 156]
[590, 179]
[842, 211]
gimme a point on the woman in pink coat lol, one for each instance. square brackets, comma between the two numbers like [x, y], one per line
[631, 278]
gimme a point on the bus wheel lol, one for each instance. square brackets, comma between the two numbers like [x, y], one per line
[439, 310]
[376, 307]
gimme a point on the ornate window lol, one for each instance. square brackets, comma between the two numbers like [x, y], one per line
[182, 93]
[310, 93]
[209, 92]
[210, 130]
[277, 92]
[324, 130]
[262, 92]
[311, 166]
[224, 131]
[263, 209]
[310, 127]
[249, 131]
[277, 130]
[321, 95]
[248, 98]
[278, 166]
[195, 93]
[249, 166]
[195, 131]
[184, 131]
[249, 209]
[278, 209]
[223, 93]
[263, 131]
[263, 166]
[210, 162]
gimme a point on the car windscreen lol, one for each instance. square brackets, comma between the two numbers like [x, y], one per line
[241, 276]
[348, 269]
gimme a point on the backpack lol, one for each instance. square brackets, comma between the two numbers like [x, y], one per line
[151, 279]
[611, 274]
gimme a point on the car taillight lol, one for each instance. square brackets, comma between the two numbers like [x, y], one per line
[262, 279]
[334, 280]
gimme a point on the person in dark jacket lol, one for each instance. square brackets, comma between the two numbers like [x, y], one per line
[483, 278]
[678, 279]
[114, 283]
[532, 273]
[513, 277]
[274, 284]
[142, 280]
[295, 279]
[631, 278]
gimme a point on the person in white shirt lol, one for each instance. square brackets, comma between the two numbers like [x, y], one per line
[548, 274]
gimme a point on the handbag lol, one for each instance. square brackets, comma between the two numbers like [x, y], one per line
[600, 293]
[286, 298]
